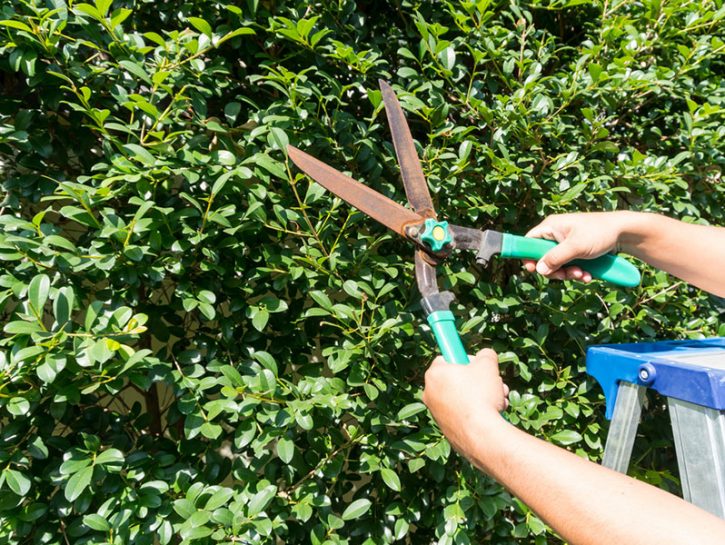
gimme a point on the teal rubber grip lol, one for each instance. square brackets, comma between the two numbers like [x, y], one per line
[607, 267]
[449, 341]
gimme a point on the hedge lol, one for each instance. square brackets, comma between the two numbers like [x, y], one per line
[201, 345]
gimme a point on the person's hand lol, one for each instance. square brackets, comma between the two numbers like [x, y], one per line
[462, 398]
[580, 236]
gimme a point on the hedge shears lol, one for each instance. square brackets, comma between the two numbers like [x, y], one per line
[435, 239]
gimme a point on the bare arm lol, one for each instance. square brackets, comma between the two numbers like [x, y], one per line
[694, 253]
[585, 503]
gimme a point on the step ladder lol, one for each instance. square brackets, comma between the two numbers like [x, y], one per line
[691, 375]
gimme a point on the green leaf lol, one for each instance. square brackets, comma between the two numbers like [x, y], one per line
[100, 351]
[140, 153]
[260, 317]
[17, 481]
[390, 478]
[119, 16]
[321, 299]
[221, 181]
[232, 375]
[411, 410]
[103, 6]
[138, 71]
[134, 253]
[261, 499]
[278, 138]
[38, 293]
[16, 24]
[78, 483]
[165, 532]
[566, 437]
[267, 360]
[356, 509]
[96, 522]
[74, 464]
[536, 525]
[51, 366]
[18, 406]
[207, 296]
[234, 33]
[87, 9]
[595, 70]
[110, 456]
[270, 165]
[63, 304]
[21, 328]
[210, 431]
[28, 353]
[207, 310]
[285, 449]
[231, 111]
[198, 532]
[92, 313]
[184, 508]
[219, 498]
[201, 25]
[38, 449]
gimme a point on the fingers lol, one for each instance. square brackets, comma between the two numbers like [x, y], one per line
[448, 387]
[551, 264]
[485, 356]
[488, 355]
[575, 273]
[489, 358]
[439, 360]
[565, 273]
[556, 257]
[543, 230]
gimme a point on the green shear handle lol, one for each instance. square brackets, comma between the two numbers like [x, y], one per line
[449, 341]
[606, 267]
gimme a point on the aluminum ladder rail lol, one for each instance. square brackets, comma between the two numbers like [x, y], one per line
[691, 375]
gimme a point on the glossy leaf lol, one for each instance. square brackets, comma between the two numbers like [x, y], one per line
[78, 483]
[356, 509]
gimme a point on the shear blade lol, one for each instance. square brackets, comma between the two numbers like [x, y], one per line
[377, 206]
[416, 188]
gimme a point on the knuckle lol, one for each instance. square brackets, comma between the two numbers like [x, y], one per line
[488, 353]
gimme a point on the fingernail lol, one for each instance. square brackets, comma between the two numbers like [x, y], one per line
[542, 268]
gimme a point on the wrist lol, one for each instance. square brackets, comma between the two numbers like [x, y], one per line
[632, 230]
[485, 438]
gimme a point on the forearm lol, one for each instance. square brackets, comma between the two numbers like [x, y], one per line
[585, 503]
[694, 253]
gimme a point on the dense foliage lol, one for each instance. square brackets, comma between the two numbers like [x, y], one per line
[201, 345]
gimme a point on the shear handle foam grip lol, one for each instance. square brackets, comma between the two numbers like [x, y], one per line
[607, 267]
[449, 341]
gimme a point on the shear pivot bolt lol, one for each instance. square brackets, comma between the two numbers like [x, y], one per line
[436, 235]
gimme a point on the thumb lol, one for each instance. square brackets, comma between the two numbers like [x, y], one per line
[555, 258]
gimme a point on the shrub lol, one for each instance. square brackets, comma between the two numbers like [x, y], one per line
[201, 345]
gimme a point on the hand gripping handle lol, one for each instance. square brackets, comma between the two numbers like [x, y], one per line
[606, 267]
[449, 341]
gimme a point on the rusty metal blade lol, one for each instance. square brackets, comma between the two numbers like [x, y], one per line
[377, 206]
[416, 188]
